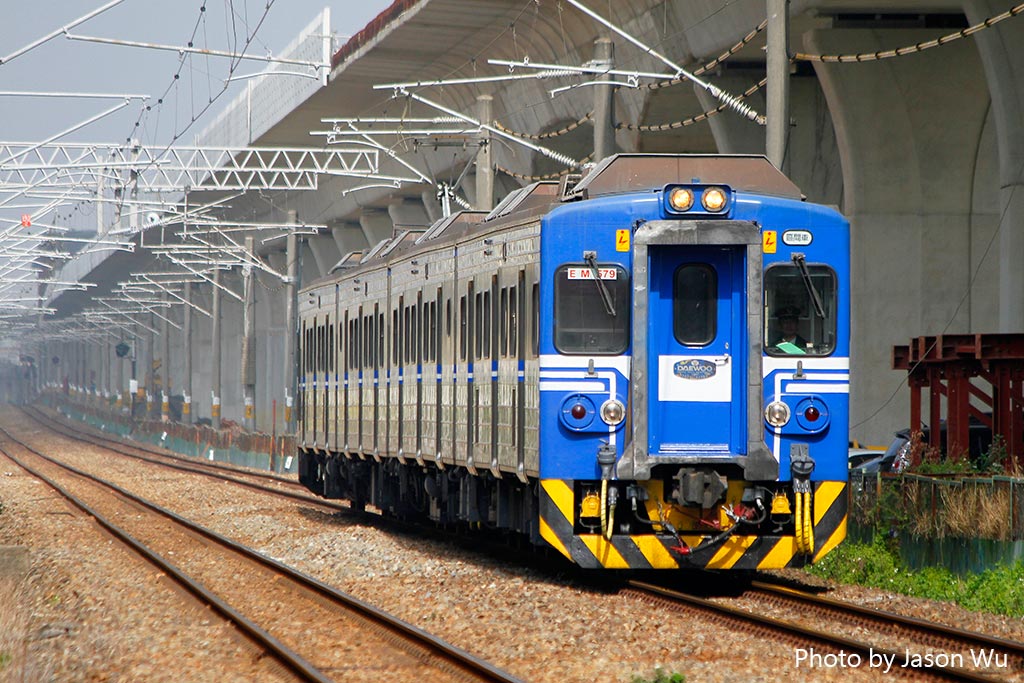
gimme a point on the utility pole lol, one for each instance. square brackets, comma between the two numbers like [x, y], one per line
[215, 354]
[777, 124]
[249, 338]
[484, 158]
[165, 364]
[186, 333]
[604, 102]
[291, 307]
[150, 369]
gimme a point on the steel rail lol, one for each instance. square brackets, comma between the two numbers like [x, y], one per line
[404, 630]
[292, 660]
[888, 619]
[649, 590]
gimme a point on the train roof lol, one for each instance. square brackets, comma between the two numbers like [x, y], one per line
[631, 172]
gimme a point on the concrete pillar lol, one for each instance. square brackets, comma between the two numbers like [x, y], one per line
[431, 205]
[249, 339]
[376, 226]
[186, 342]
[604, 102]
[349, 236]
[215, 351]
[325, 253]
[909, 201]
[408, 214]
[484, 160]
[1003, 66]
[777, 127]
[291, 304]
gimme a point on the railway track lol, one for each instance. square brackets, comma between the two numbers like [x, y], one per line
[928, 650]
[761, 599]
[287, 615]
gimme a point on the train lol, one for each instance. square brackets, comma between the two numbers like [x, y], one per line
[642, 367]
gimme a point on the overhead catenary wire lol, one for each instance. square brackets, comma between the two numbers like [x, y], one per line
[917, 47]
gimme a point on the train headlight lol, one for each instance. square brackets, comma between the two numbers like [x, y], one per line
[680, 199]
[714, 199]
[777, 414]
[613, 412]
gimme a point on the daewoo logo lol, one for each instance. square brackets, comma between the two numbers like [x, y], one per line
[694, 368]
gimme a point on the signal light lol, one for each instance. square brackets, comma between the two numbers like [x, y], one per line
[578, 411]
[811, 414]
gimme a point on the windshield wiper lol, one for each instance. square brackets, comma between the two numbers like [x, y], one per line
[800, 261]
[606, 298]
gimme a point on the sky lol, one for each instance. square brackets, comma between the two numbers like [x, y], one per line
[67, 65]
[177, 108]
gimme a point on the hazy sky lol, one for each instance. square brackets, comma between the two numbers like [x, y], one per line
[64, 65]
[67, 65]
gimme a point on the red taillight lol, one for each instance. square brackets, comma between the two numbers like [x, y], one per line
[578, 411]
[812, 414]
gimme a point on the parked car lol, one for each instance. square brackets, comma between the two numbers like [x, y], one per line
[859, 456]
[979, 440]
[888, 462]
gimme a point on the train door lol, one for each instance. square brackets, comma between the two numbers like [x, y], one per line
[345, 410]
[447, 357]
[429, 386]
[464, 407]
[336, 370]
[484, 371]
[697, 351]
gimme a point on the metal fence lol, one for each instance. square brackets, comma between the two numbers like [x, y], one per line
[967, 524]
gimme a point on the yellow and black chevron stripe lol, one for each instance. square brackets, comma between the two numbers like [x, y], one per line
[648, 551]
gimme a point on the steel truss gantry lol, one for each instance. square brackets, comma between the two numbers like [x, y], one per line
[25, 166]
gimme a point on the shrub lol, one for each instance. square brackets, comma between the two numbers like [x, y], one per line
[999, 590]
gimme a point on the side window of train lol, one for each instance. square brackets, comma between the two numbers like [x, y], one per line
[513, 321]
[462, 328]
[592, 315]
[382, 357]
[535, 321]
[503, 324]
[793, 324]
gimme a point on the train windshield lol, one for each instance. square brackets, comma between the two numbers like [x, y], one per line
[592, 309]
[794, 325]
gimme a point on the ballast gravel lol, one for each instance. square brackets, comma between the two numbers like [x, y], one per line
[89, 611]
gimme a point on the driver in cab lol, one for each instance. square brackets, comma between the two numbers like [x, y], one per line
[789, 339]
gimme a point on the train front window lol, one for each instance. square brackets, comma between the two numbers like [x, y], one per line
[592, 314]
[793, 323]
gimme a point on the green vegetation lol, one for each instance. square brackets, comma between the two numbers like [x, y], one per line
[999, 590]
[5, 659]
[660, 676]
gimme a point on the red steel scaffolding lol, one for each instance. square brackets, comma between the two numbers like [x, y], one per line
[954, 365]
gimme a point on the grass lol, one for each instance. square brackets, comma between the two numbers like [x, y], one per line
[661, 676]
[998, 591]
